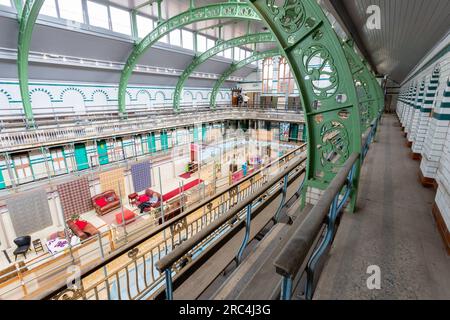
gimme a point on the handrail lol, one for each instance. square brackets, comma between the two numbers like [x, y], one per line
[165, 264]
[327, 211]
[292, 255]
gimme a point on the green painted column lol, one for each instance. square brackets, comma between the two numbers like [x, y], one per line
[325, 81]
[234, 10]
[27, 20]
[263, 37]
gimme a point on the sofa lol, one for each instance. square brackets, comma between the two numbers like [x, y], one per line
[148, 194]
[82, 229]
[105, 202]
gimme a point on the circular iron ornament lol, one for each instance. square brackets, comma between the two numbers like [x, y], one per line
[335, 145]
[290, 13]
[322, 72]
[68, 294]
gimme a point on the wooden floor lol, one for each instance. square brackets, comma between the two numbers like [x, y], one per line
[393, 228]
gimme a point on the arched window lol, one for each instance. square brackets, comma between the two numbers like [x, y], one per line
[285, 77]
[267, 75]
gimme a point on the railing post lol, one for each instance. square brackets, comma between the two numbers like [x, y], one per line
[248, 219]
[312, 263]
[169, 289]
[283, 199]
[286, 288]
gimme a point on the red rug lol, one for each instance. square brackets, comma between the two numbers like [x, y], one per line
[185, 175]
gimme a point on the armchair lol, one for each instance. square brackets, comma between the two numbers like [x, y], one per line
[23, 245]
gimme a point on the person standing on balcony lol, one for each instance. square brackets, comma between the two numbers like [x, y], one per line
[245, 98]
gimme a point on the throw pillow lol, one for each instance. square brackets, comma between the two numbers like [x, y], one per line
[81, 224]
[110, 199]
[144, 198]
[101, 202]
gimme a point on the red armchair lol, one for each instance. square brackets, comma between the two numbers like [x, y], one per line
[105, 202]
[88, 230]
[146, 197]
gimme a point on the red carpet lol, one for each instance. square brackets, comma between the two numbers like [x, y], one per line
[175, 192]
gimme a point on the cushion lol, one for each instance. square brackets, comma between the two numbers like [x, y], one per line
[81, 224]
[101, 202]
[111, 198]
[144, 198]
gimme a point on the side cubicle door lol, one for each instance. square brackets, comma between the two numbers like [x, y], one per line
[81, 158]
[102, 152]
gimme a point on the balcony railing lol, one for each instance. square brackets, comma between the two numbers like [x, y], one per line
[69, 128]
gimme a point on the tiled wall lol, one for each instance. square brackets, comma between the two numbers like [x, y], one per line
[427, 124]
[81, 97]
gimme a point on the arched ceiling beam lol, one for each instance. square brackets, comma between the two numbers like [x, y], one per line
[236, 10]
[365, 86]
[325, 83]
[27, 21]
[236, 66]
[240, 41]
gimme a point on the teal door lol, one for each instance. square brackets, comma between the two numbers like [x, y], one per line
[151, 142]
[2, 181]
[293, 135]
[204, 130]
[195, 133]
[81, 158]
[102, 152]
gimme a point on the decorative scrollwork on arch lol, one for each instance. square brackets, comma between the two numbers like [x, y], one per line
[290, 13]
[334, 149]
[321, 71]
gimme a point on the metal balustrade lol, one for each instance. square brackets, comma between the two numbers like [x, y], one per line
[99, 125]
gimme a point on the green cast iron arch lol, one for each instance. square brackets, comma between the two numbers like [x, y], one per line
[28, 18]
[247, 39]
[236, 66]
[235, 10]
[325, 82]
[364, 84]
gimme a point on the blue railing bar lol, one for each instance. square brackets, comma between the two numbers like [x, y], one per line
[248, 220]
[283, 199]
[286, 288]
[169, 290]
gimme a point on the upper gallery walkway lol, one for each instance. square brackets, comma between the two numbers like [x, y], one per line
[67, 128]
[392, 228]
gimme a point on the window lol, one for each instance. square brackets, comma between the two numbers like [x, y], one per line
[285, 78]
[98, 15]
[228, 53]
[201, 43]
[210, 43]
[59, 164]
[144, 26]
[188, 39]
[49, 8]
[175, 38]
[22, 166]
[71, 10]
[5, 3]
[120, 20]
[267, 75]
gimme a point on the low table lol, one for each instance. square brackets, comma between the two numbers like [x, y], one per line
[127, 214]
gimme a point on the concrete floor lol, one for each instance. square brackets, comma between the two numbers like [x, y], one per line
[393, 228]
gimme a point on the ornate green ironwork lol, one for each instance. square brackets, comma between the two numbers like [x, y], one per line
[236, 66]
[325, 83]
[28, 18]
[365, 84]
[240, 41]
[237, 10]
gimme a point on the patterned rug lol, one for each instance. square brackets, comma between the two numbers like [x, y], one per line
[141, 174]
[113, 180]
[29, 212]
[75, 197]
